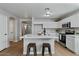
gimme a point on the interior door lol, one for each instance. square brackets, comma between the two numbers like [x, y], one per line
[3, 32]
[11, 29]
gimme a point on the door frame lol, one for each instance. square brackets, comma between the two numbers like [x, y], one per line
[13, 19]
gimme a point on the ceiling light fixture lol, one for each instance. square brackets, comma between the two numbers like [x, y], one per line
[48, 12]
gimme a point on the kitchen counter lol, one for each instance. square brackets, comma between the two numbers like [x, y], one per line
[39, 40]
[74, 36]
[38, 36]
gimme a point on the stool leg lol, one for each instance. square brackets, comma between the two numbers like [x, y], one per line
[35, 51]
[49, 49]
[43, 51]
[28, 51]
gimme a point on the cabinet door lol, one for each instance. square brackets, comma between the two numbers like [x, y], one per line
[77, 44]
[70, 43]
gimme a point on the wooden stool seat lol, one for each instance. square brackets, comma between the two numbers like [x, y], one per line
[31, 45]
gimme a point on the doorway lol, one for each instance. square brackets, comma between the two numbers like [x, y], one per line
[11, 29]
[26, 27]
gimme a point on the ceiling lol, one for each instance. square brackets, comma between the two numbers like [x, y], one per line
[28, 10]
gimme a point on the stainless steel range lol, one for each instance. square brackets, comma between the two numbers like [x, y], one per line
[62, 36]
[62, 39]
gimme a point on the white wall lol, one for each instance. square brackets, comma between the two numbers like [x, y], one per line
[17, 29]
[39, 27]
[74, 19]
[16, 22]
[42, 20]
[11, 30]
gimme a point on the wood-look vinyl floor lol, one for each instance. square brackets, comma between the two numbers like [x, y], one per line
[16, 49]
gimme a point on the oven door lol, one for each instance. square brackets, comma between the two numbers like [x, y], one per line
[62, 38]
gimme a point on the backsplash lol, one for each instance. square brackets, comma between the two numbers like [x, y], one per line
[65, 30]
[77, 31]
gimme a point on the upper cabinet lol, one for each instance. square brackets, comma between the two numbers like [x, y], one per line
[73, 19]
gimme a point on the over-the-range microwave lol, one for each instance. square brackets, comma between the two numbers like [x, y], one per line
[66, 25]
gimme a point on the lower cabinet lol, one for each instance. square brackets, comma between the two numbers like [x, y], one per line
[72, 43]
[77, 44]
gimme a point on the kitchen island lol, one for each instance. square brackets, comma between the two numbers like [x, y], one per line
[39, 40]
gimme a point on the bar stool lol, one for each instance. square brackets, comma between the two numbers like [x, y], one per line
[46, 45]
[31, 45]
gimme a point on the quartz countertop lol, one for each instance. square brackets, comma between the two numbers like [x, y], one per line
[38, 36]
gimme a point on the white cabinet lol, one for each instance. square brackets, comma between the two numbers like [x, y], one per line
[77, 44]
[72, 43]
[74, 19]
